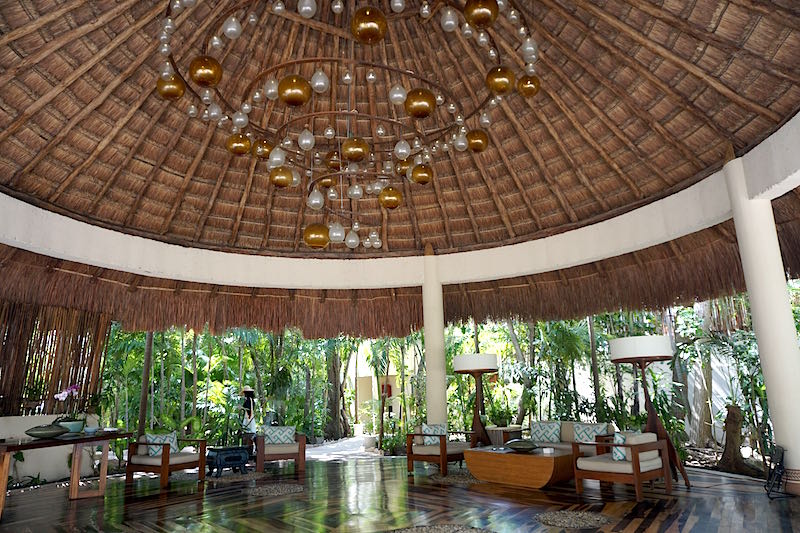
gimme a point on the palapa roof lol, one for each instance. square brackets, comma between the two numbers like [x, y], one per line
[638, 100]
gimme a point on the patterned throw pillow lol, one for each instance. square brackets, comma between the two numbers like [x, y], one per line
[617, 453]
[546, 431]
[166, 438]
[587, 432]
[433, 429]
[279, 435]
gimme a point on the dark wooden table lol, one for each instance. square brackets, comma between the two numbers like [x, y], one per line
[10, 446]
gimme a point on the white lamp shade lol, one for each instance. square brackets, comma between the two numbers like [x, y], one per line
[475, 361]
[644, 346]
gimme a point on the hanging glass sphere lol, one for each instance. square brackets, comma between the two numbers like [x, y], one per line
[271, 89]
[295, 177]
[402, 149]
[513, 16]
[368, 25]
[231, 28]
[214, 112]
[306, 140]
[172, 88]
[355, 192]
[466, 30]
[367, 243]
[420, 103]
[164, 49]
[397, 95]
[377, 243]
[347, 78]
[451, 108]
[460, 143]
[449, 19]
[294, 90]
[485, 120]
[246, 108]
[332, 194]
[252, 18]
[529, 49]
[481, 13]
[336, 232]
[278, 7]
[216, 43]
[390, 198]
[277, 157]
[239, 120]
[477, 140]
[192, 111]
[380, 131]
[337, 7]
[281, 176]
[320, 82]
[205, 71]
[482, 38]
[329, 133]
[530, 69]
[501, 5]
[206, 96]
[316, 236]
[425, 10]
[500, 80]
[371, 76]
[258, 96]
[397, 5]
[352, 239]
[307, 8]
[315, 200]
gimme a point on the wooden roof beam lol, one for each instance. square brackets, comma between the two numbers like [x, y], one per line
[243, 202]
[201, 224]
[39, 22]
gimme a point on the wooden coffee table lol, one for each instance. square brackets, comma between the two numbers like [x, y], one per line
[533, 470]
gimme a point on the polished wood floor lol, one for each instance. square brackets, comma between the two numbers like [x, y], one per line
[377, 495]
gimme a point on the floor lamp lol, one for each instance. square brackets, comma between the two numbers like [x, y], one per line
[477, 364]
[641, 351]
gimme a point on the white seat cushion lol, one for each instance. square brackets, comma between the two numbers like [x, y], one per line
[452, 447]
[567, 447]
[605, 463]
[275, 449]
[174, 459]
[643, 438]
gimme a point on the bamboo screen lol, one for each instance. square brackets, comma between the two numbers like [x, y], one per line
[44, 350]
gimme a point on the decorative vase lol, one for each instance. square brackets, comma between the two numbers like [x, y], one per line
[73, 426]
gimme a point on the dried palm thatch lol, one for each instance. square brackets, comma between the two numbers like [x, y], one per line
[46, 349]
[639, 99]
[698, 266]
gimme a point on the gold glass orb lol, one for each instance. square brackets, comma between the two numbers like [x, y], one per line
[528, 86]
[422, 174]
[327, 182]
[294, 90]
[420, 103]
[171, 89]
[333, 161]
[401, 167]
[281, 176]
[390, 197]
[355, 149]
[477, 140]
[238, 144]
[368, 25]
[316, 236]
[205, 71]
[500, 80]
[262, 149]
[481, 13]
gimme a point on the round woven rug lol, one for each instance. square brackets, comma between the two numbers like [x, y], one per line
[274, 489]
[455, 476]
[444, 528]
[573, 519]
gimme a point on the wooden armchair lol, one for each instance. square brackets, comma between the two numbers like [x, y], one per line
[276, 452]
[443, 452]
[168, 461]
[638, 466]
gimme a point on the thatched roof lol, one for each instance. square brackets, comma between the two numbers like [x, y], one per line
[638, 100]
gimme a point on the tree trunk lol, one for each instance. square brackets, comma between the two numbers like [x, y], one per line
[183, 381]
[732, 460]
[163, 383]
[194, 374]
[208, 377]
[403, 404]
[333, 427]
[383, 408]
[575, 391]
[259, 379]
[705, 435]
[307, 405]
[599, 407]
[618, 380]
[526, 381]
[345, 417]
[476, 329]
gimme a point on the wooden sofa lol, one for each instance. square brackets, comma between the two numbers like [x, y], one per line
[639, 465]
[445, 451]
[169, 460]
[276, 452]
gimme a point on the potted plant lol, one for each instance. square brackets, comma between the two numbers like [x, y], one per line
[500, 412]
[73, 422]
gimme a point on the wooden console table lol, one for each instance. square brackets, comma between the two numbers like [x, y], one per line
[533, 470]
[10, 446]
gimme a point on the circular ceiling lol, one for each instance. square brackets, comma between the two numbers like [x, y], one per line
[637, 100]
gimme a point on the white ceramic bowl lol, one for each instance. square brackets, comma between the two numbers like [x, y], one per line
[90, 430]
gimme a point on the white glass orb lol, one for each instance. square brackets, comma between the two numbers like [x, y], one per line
[410, 170]
[449, 19]
[425, 10]
[206, 96]
[246, 108]
[352, 168]
[239, 120]
[214, 111]
[467, 31]
[492, 53]
[373, 234]
[192, 111]
[337, 6]
[439, 99]
[483, 38]
[232, 28]
[355, 192]
[370, 189]
[530, 69]
[278, 7]
[204, 116]
[377, 243]
[531, 58]
[529, 46]
[216, 42]
[494, 101]
[356, 225]
[221, 124]
[336, 232]
[164, 49]
[320, 82]
[277, 156]
[417, 159]
[397, 5]
[295, 177]
[416, 143]
[445, 147]
[332, 194]
[402, 149]
[380, 130]
[286, 142]
[367, 243]
[176, 7]
[513, 16]
[522, 31]
[258, 96]
[252, 18]
[347, 78]
[168, 25]
[329, 133]
[352, 240]
[502, 5]
[459, 119]
[397, 94]
[163, 37]
[460, 143]
[388, 167]
[167, 70]
[271, 89]
[315, 200]
[371, 76]
[451, 108]
[306, 8]
[306, 140]
[485, 120]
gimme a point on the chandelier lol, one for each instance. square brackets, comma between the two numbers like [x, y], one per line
[322, 144]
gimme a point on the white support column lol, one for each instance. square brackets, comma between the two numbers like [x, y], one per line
[773, 322]
[435, 364]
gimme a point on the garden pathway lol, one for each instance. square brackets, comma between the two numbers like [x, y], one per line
[350, 448]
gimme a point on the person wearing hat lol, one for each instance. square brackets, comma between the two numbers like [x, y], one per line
[249, 419]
